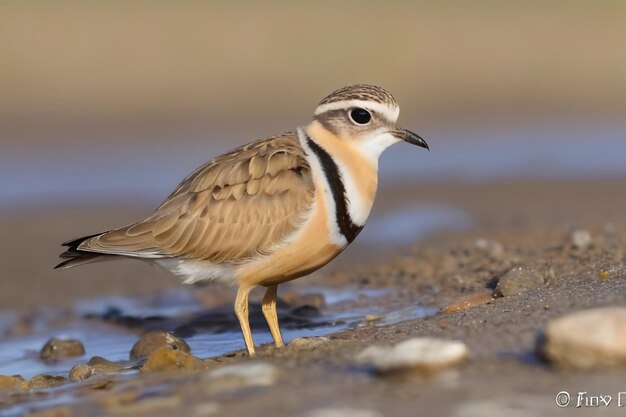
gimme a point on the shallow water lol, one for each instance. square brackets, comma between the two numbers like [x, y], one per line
[83, 174]
[113, 341]
[557, 150]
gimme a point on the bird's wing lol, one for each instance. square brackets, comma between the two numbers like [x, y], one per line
[241, 204]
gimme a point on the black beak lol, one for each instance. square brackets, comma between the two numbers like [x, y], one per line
[410, 137]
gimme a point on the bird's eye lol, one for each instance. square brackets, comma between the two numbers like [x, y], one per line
[360, 116]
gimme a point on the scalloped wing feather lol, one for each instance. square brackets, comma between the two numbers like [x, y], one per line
[239, 205]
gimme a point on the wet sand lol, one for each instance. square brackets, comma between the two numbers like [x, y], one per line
[532, 221]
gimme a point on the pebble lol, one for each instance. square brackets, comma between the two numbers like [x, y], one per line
[168, 359]
[588, 339]
[13, 383]
[105, 366]
[81, 372]
[581, 239]
[469, 301]
[46, 381]
[370, 318]
[519, 280]
[57, 349]
[343, 412]
[242, 375]
[421, 354]
[307, 342]
[490, 247]
[155, 339]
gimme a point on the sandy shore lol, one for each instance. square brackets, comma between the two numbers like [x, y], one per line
[531, 222]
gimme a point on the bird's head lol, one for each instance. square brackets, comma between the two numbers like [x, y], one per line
[365, 114]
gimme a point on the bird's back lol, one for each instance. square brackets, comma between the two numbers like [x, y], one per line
[235, 207]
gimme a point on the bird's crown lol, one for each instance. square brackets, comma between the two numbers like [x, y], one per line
[360, 92]
[364, 96]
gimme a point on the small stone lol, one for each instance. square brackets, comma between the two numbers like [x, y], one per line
[105, 366]
[343, 412]
[57, 349]
[519, 280]
[469, 301]
[242, 375]
[307, 342]
[421, 354]
[604, 275]
[46, 381]
[371, 318]
[588, 339]
[155, 339]
[490, 247]
[168, 359]
[13, 383]
[81, 372]
[581, 239]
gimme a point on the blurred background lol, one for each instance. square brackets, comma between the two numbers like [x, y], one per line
[106, 106]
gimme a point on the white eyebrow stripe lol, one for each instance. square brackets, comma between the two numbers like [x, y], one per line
[390, 113]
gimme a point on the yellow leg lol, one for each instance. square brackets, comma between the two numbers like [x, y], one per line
[269, 311]
[241, 310]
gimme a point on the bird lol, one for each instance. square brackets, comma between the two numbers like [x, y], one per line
[270, 211]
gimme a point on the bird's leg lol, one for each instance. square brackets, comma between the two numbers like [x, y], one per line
[269, 311]
[241, 310]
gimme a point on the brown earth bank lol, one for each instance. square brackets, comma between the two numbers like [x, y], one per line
[537, 251]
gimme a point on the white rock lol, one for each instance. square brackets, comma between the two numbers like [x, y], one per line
[248, 374]
[343, 412]
[490, 247]
[581, 239]
[427, 354]
[588, 339]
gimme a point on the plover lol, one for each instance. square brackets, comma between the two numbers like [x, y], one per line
[270, 211]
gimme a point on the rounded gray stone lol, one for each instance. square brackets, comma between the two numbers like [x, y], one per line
[519, 280]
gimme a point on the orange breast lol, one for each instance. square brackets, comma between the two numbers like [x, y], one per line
[310, 250]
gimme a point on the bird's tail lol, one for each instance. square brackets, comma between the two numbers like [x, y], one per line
[76, 257]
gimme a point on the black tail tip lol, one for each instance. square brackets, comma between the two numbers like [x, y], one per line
[73, 256]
